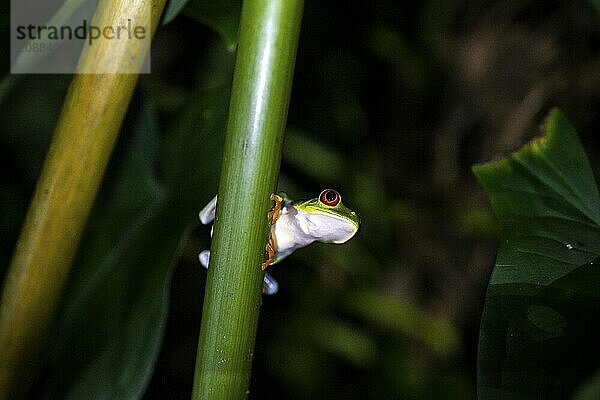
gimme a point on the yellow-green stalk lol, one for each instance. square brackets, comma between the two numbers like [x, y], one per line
[81, 146]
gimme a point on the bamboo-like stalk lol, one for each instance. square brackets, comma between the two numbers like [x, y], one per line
[81, 146]
[268, 38]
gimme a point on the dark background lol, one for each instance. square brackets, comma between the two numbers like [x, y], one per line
[391, 105]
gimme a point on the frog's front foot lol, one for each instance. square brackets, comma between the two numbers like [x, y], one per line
[270, 249]
[272, 216]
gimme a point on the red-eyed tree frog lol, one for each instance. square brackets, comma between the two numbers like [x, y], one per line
[295, 224]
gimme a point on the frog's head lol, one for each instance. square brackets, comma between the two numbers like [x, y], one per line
[329, 219]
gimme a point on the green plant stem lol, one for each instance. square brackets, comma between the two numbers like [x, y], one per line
[269, 31]
[81, 146]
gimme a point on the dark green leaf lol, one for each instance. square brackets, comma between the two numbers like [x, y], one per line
[172, 9]
[590, 390]
[24, 140]
[540, 328]
[596, 5]
[223, 17]
[111, 326]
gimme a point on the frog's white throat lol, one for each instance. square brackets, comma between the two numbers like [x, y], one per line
[296, 228]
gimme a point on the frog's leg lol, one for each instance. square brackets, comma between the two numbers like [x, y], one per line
[270, 285]
[270, 249]
[207, 214]
[272, 216]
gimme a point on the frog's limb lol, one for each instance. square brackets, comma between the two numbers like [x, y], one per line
[270, 285]
[207, 214]
[270, 249]
[272, 216]
[204, 258]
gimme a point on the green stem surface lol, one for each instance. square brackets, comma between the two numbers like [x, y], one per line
[268, 38]
[81, 146]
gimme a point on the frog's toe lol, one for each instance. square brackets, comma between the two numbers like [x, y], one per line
[270, 285]
[204, 258]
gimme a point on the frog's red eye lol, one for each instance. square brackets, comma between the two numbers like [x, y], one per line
[330, 197]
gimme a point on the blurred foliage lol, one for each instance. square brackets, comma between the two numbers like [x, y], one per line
[222, 16]
[392, 103]
[539, 327]
[590, 390]
[146, 204]
[596, 5]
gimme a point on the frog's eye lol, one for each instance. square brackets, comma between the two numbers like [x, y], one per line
[330, 197]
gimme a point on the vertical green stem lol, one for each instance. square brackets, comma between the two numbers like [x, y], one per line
[269, 31]
[81, 146]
